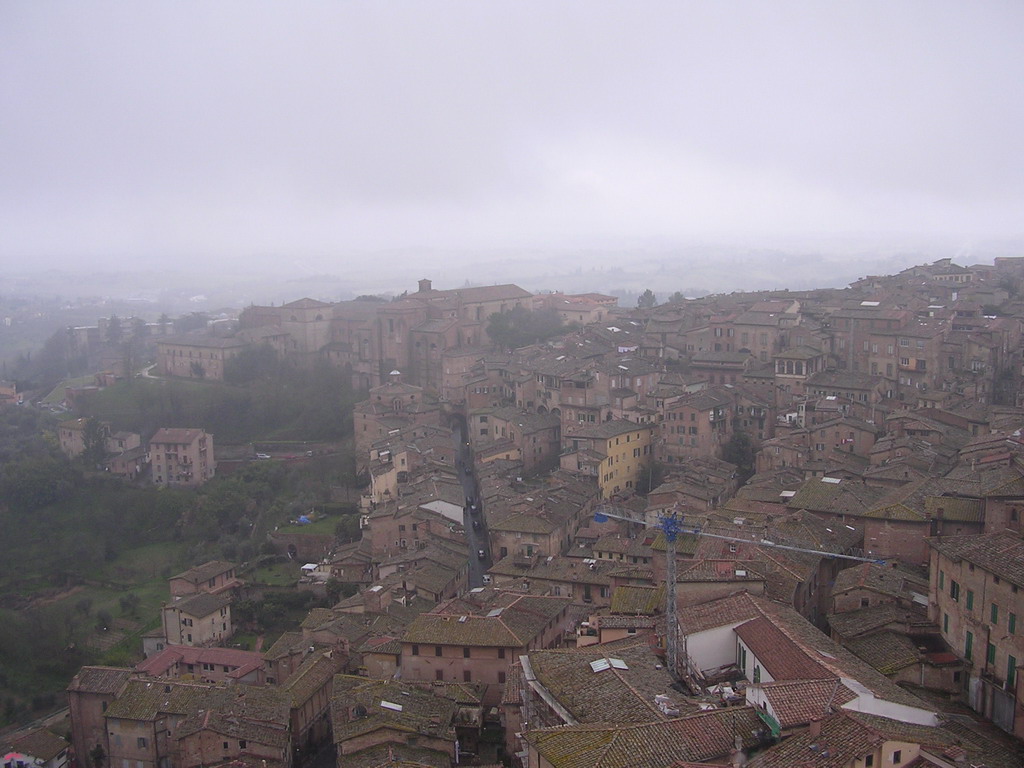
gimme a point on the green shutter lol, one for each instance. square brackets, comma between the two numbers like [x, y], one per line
[1011, 624]
[1011, 672]
[969, 646]
[970, 599]
[990, 655]
[995, 613]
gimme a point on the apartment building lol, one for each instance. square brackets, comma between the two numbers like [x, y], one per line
[201, 619]
[197, 357]
[463, 643]
[977, 599]
[696, 425]
[615, 452]
[181, 457]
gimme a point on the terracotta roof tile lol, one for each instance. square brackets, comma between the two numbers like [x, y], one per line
[612, 694]
[701, 737]
[886, 651]
[40, 743]
[108, 680]
[797, 702]
[1001, 553]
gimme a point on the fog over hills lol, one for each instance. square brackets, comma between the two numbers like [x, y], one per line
[339, 148]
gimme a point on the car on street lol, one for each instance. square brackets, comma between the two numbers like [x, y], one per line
[476, 524]
[482, 554]
[262, 455]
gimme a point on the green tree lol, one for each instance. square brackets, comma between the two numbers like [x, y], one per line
[94, 436]
[253, 364]
[32, 482]
[130, 604]
[740, 451]
[647, 299]
[521, 326]
[651, 476]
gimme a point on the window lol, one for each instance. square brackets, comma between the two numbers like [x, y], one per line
[945, 623]
[465, 653]
[467, 676]
[942, 579]
[439, 674]
[140, 742]
[897, 756]
[869, 760]
[954, 590]
[501, 678]
[990, 653]
[415, 650]
[242, 744]
[1011, 624]
[501, 653]
[1011, 672]
[994, 614]
[969, 646]
[865, 602]
[970, 599]
[437, 650]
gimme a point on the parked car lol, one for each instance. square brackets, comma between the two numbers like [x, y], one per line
[482, 554]
[262, 455]
[487, 578]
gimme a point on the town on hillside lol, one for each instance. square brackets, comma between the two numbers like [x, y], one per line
[775, 529]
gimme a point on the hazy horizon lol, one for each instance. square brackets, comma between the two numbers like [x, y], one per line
[454, 136]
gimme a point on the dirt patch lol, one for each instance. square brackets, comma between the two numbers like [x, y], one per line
[54, 597]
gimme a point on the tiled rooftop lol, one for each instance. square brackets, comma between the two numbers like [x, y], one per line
[1001, 553]
[521, 619]
[797, 702]
[39, 742]
[612, 694]
[105, 680]
[700, 737]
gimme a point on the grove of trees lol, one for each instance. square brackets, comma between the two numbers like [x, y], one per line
[520, 327]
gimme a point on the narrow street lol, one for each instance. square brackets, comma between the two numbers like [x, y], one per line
[476, 536]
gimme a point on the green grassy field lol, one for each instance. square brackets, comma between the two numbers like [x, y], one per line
[276, 575]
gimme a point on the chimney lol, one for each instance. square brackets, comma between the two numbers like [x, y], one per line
[815, 729]
[424, 286]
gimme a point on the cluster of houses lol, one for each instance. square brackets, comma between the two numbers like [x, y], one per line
[847, 604]
[173, 457]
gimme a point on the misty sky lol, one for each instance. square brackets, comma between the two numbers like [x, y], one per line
[181, 131]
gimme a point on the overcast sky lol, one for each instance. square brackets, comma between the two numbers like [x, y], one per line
[179, 130]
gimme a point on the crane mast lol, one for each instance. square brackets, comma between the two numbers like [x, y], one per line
[671, 525]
